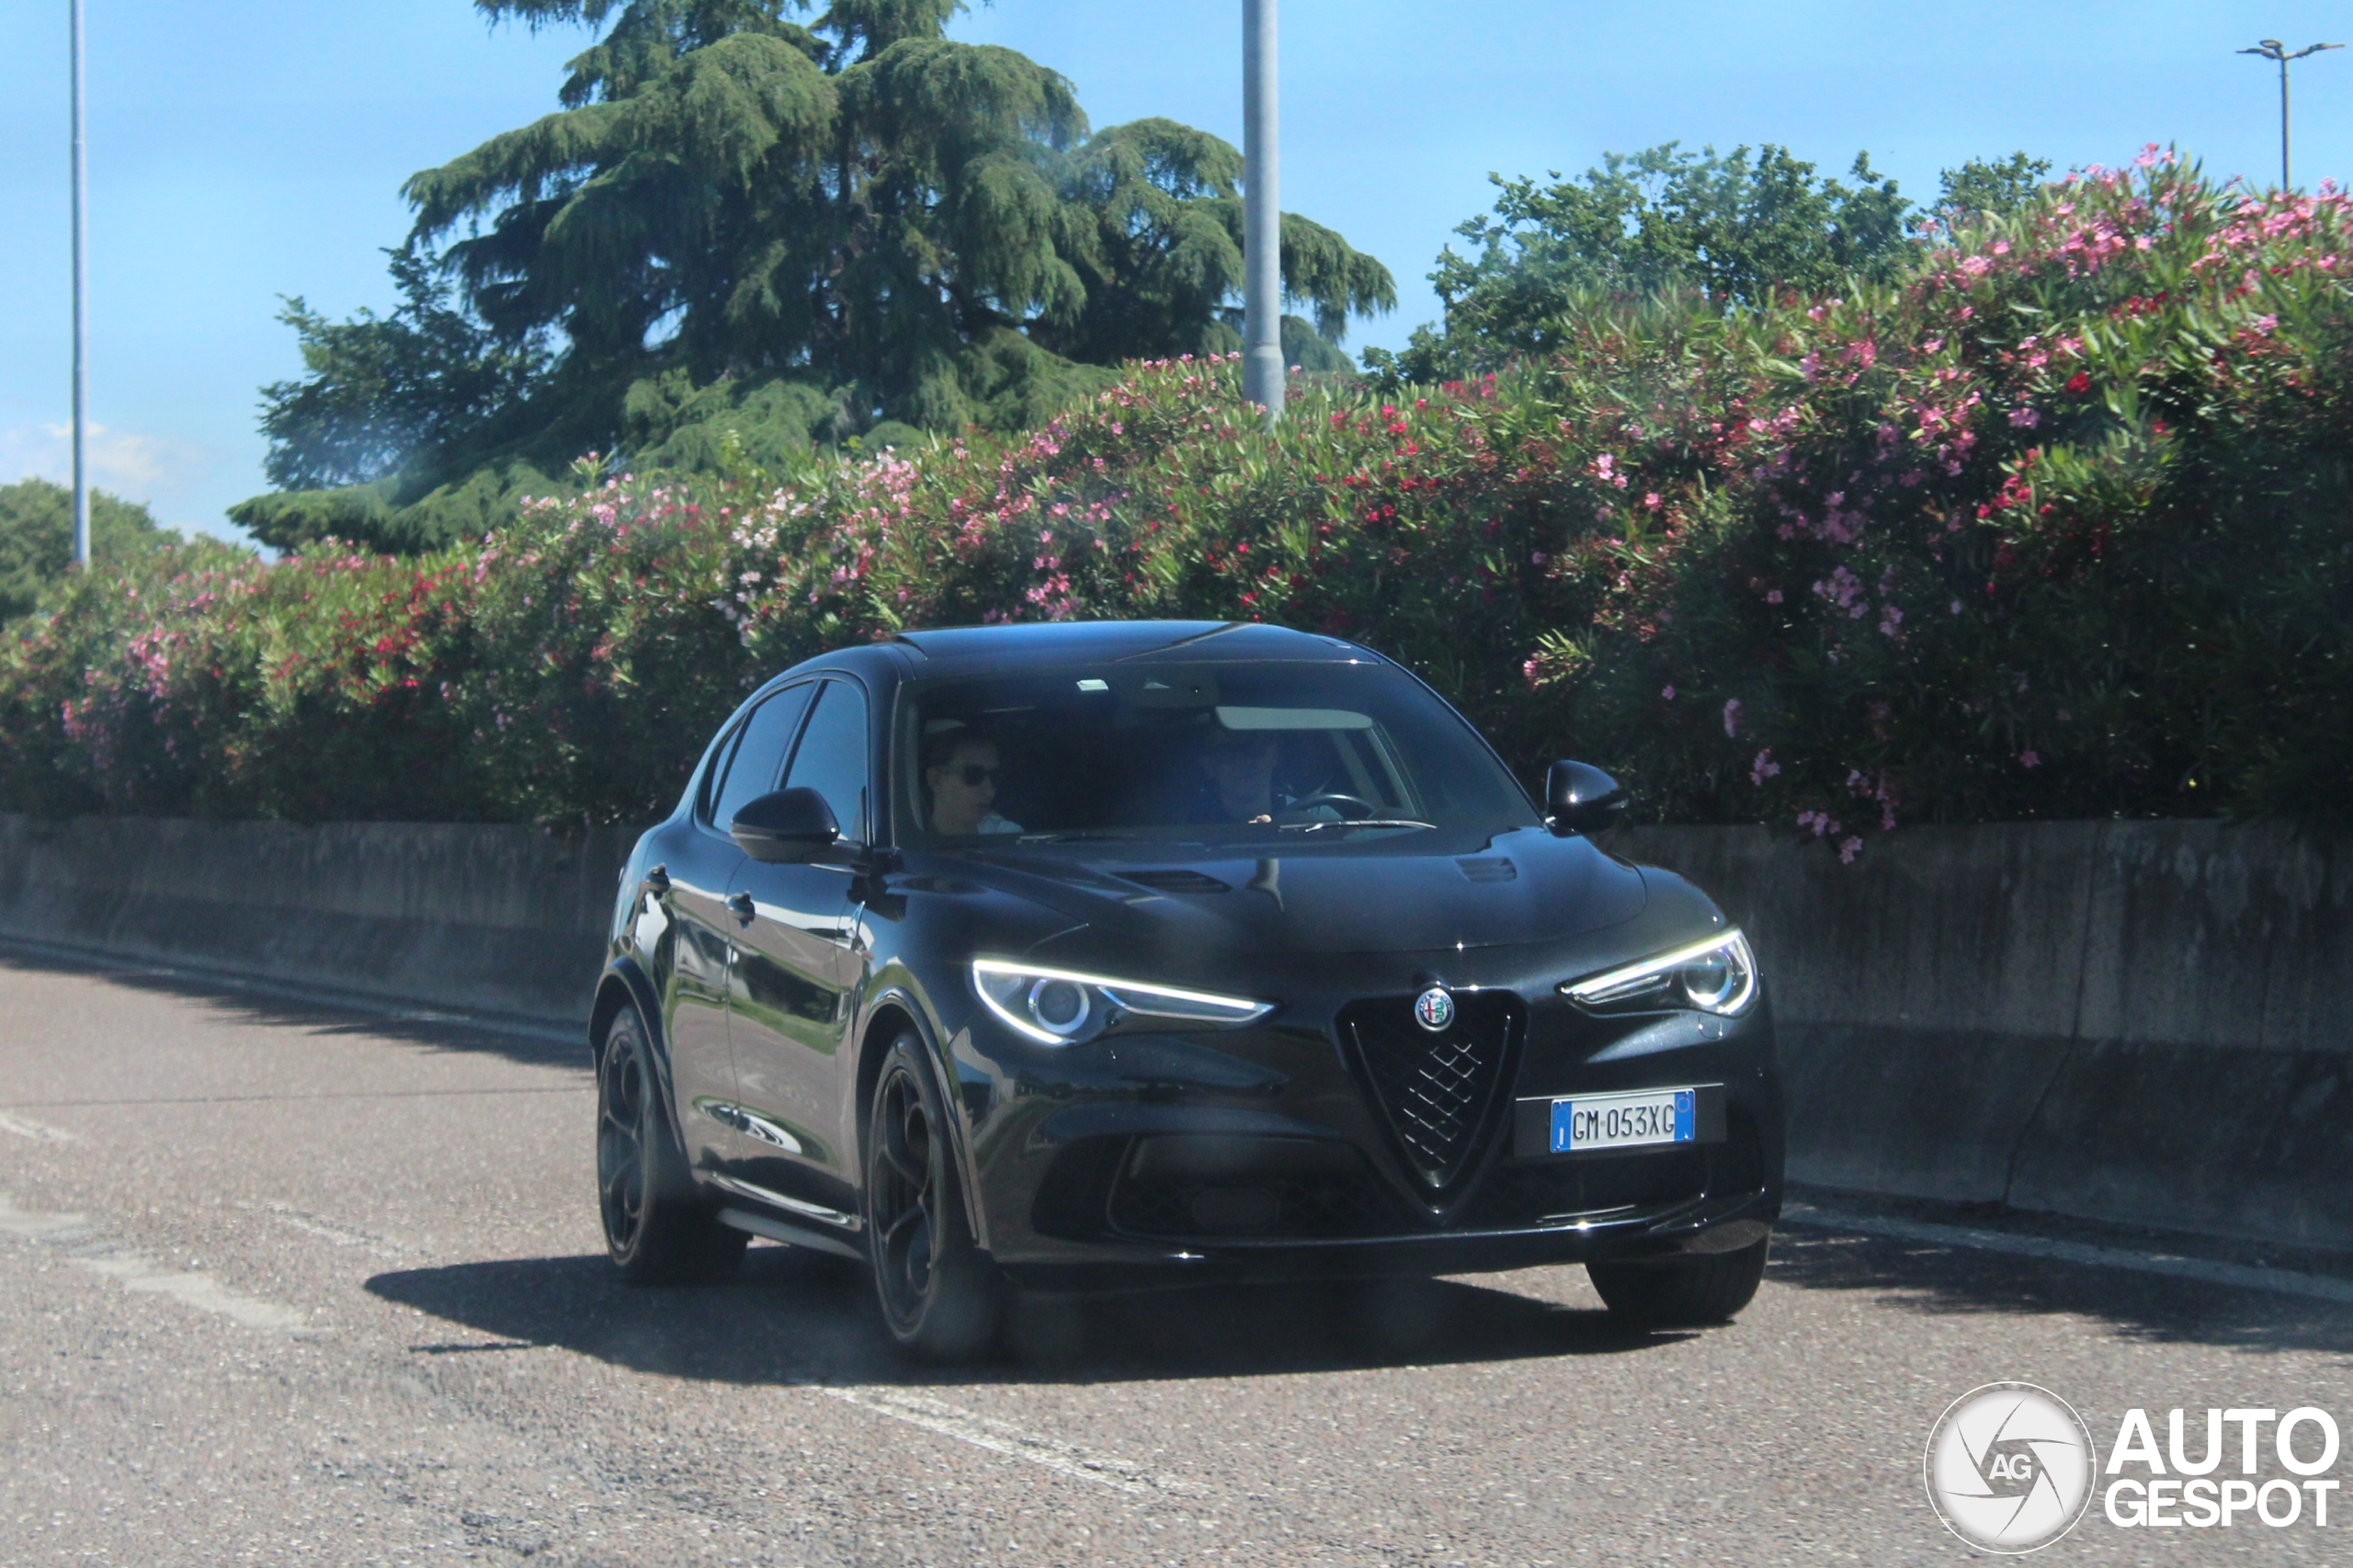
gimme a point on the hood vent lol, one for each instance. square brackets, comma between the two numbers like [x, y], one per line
[1495, 869]
[1177, 879]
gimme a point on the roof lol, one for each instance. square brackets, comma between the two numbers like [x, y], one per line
[1109, 641]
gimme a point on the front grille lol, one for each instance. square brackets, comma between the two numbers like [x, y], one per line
[1440, 1094]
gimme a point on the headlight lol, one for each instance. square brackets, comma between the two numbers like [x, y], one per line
[1058, 1006]
[1717, 976]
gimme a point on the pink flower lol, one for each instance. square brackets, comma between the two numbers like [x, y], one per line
[2029, 759]
[1764, 767]
[1732, 718]
[1668, 692]
[1773, 596]
[1847, 850]
[2024, 418]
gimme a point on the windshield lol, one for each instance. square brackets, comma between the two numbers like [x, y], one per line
[1226, 751]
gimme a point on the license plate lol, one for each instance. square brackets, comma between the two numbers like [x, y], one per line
[1625, 1121]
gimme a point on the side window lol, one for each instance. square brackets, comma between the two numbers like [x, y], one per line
[759, 755]
[831, 755]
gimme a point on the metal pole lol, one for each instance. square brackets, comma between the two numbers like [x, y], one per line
[2286, 184]
[2272, 48]
[1262, 276]
[81, 317]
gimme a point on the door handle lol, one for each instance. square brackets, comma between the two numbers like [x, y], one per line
[740, 906]
[658, 881]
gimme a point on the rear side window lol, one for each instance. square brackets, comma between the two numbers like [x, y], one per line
[757, 757]
[832, 756]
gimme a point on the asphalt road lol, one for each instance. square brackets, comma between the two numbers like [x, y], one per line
[281, 1284]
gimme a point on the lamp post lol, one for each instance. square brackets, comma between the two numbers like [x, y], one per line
[2272, 48]
[1262, 219]
[81, 322]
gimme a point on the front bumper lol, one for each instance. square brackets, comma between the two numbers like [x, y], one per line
[1165, 1159]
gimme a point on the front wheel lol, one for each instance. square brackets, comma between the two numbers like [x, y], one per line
[657, 1229]
[1682, 1292]
[938, 1295]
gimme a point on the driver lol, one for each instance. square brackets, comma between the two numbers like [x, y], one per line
[959, 774]
[1241, 768]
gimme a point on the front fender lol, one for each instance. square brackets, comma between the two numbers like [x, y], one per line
[895, 991]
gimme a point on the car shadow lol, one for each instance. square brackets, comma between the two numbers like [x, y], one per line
[796, 1317]
[255, 1001]
[1947, 1280]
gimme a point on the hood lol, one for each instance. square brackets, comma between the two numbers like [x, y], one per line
[1411, 894]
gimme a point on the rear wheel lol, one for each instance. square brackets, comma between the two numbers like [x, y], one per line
[658, 1231]
[938, 1295]
[1682, 1292]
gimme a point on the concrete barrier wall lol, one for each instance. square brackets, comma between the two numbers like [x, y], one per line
[2140, 1022]
[2144, 1022]
[491, 919]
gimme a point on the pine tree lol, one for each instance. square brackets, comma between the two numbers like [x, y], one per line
[743, 233]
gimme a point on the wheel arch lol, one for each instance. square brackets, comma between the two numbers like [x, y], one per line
[625, 984]
[892, 1013]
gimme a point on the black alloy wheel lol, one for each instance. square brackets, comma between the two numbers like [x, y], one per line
[938, 1295]
[1692, 1291]
[658, 1230]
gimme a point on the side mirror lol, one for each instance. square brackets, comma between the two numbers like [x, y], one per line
[1582, 799]
[789, 827]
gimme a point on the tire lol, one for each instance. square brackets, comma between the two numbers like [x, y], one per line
[1683, 1292]
[658, 1228]
[940, 1297]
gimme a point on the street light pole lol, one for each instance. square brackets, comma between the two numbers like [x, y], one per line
[2272, 48]
[1262, 220]
[81, 320]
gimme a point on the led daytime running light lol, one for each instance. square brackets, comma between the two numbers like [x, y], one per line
[1618, 985]
[1128, 996]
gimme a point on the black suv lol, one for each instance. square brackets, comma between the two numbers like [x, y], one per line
[1074, 957]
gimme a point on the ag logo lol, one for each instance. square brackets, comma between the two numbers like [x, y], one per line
[2009, 1468]
[1434, 1009]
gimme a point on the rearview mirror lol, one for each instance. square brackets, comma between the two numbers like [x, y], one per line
[1582, 799]
[787, 827]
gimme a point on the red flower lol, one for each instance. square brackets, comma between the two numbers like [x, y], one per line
[2079, 383]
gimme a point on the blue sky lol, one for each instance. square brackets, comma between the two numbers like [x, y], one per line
[238, 152]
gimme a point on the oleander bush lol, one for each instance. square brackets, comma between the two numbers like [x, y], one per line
[2055, 524]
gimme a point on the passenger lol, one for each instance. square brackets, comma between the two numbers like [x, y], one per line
[959, 774]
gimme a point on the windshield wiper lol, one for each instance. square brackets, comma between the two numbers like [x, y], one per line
[1073, 837]
[1354, 821]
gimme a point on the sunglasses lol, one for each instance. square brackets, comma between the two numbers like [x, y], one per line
[974, 775]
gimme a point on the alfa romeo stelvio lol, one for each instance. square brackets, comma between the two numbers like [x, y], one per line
[1079, 957]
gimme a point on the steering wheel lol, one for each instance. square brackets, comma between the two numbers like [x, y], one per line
[1334, 799]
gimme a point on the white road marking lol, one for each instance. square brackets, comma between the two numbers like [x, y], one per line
[1003, 1437]
[2278, 1281]
[86, 1245]
[24, 1128]
[310, 1224]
